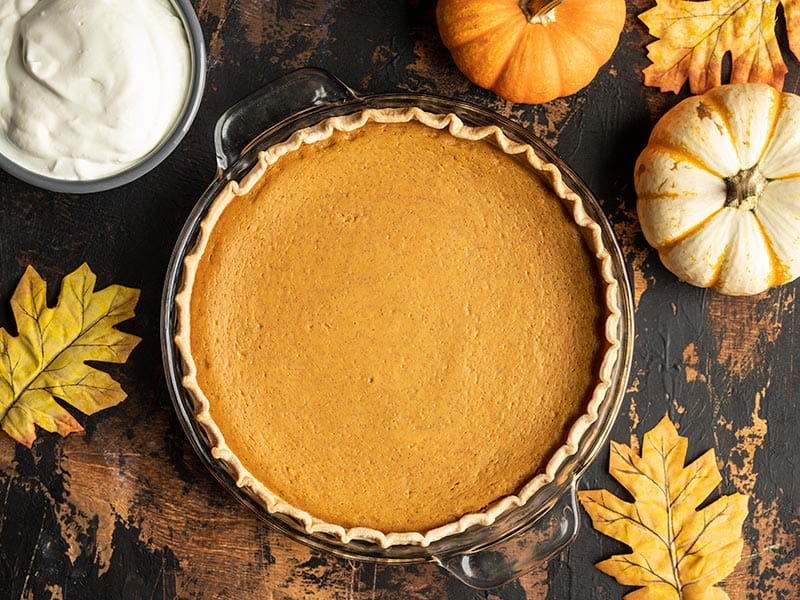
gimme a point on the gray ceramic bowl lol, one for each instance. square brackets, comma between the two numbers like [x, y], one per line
[198, 76]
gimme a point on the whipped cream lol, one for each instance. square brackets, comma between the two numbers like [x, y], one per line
[89, 87]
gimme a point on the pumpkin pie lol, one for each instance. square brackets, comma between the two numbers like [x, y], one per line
[396, 326]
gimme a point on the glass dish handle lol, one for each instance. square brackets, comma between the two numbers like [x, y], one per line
[244, 121]
[513, 556]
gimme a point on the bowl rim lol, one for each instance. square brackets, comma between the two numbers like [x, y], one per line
[197, 52]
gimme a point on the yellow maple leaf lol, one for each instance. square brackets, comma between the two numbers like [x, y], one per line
[694, 36]
[679, 552]
[46, 360]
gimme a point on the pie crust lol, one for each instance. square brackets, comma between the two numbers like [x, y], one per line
[604, 365]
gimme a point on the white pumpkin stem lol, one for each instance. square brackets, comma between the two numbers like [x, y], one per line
[745, 188]
[540, 11]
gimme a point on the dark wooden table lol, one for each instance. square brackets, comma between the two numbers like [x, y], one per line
[126, 510]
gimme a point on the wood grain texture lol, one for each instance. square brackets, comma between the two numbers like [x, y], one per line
[126, 510]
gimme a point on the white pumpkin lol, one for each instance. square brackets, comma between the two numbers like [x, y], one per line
[718, 188]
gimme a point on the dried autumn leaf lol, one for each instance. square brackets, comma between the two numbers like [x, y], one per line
[694, 36]
[679, 552]
[46, 360]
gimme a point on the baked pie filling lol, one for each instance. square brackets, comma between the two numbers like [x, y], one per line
[396, 326]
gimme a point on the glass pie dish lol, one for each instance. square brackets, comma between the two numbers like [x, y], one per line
[482, 556]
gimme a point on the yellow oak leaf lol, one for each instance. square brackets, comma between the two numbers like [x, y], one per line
[694, 36]
[679, 552]
[46, 360]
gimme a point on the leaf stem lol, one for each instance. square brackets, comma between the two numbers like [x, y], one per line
[671, 549]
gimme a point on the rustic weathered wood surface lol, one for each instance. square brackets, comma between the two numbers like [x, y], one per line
[126, 510]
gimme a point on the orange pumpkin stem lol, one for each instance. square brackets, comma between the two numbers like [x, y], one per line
[539, 11]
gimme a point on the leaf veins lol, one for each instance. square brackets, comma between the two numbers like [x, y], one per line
[47, 359]
[694, 37]
[678, 552]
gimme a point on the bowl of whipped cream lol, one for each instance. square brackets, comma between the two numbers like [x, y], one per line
[96, 93]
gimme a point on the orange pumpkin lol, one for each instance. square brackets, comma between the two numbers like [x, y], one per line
[530, 51]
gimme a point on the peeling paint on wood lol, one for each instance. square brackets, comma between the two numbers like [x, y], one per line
[126, 510]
